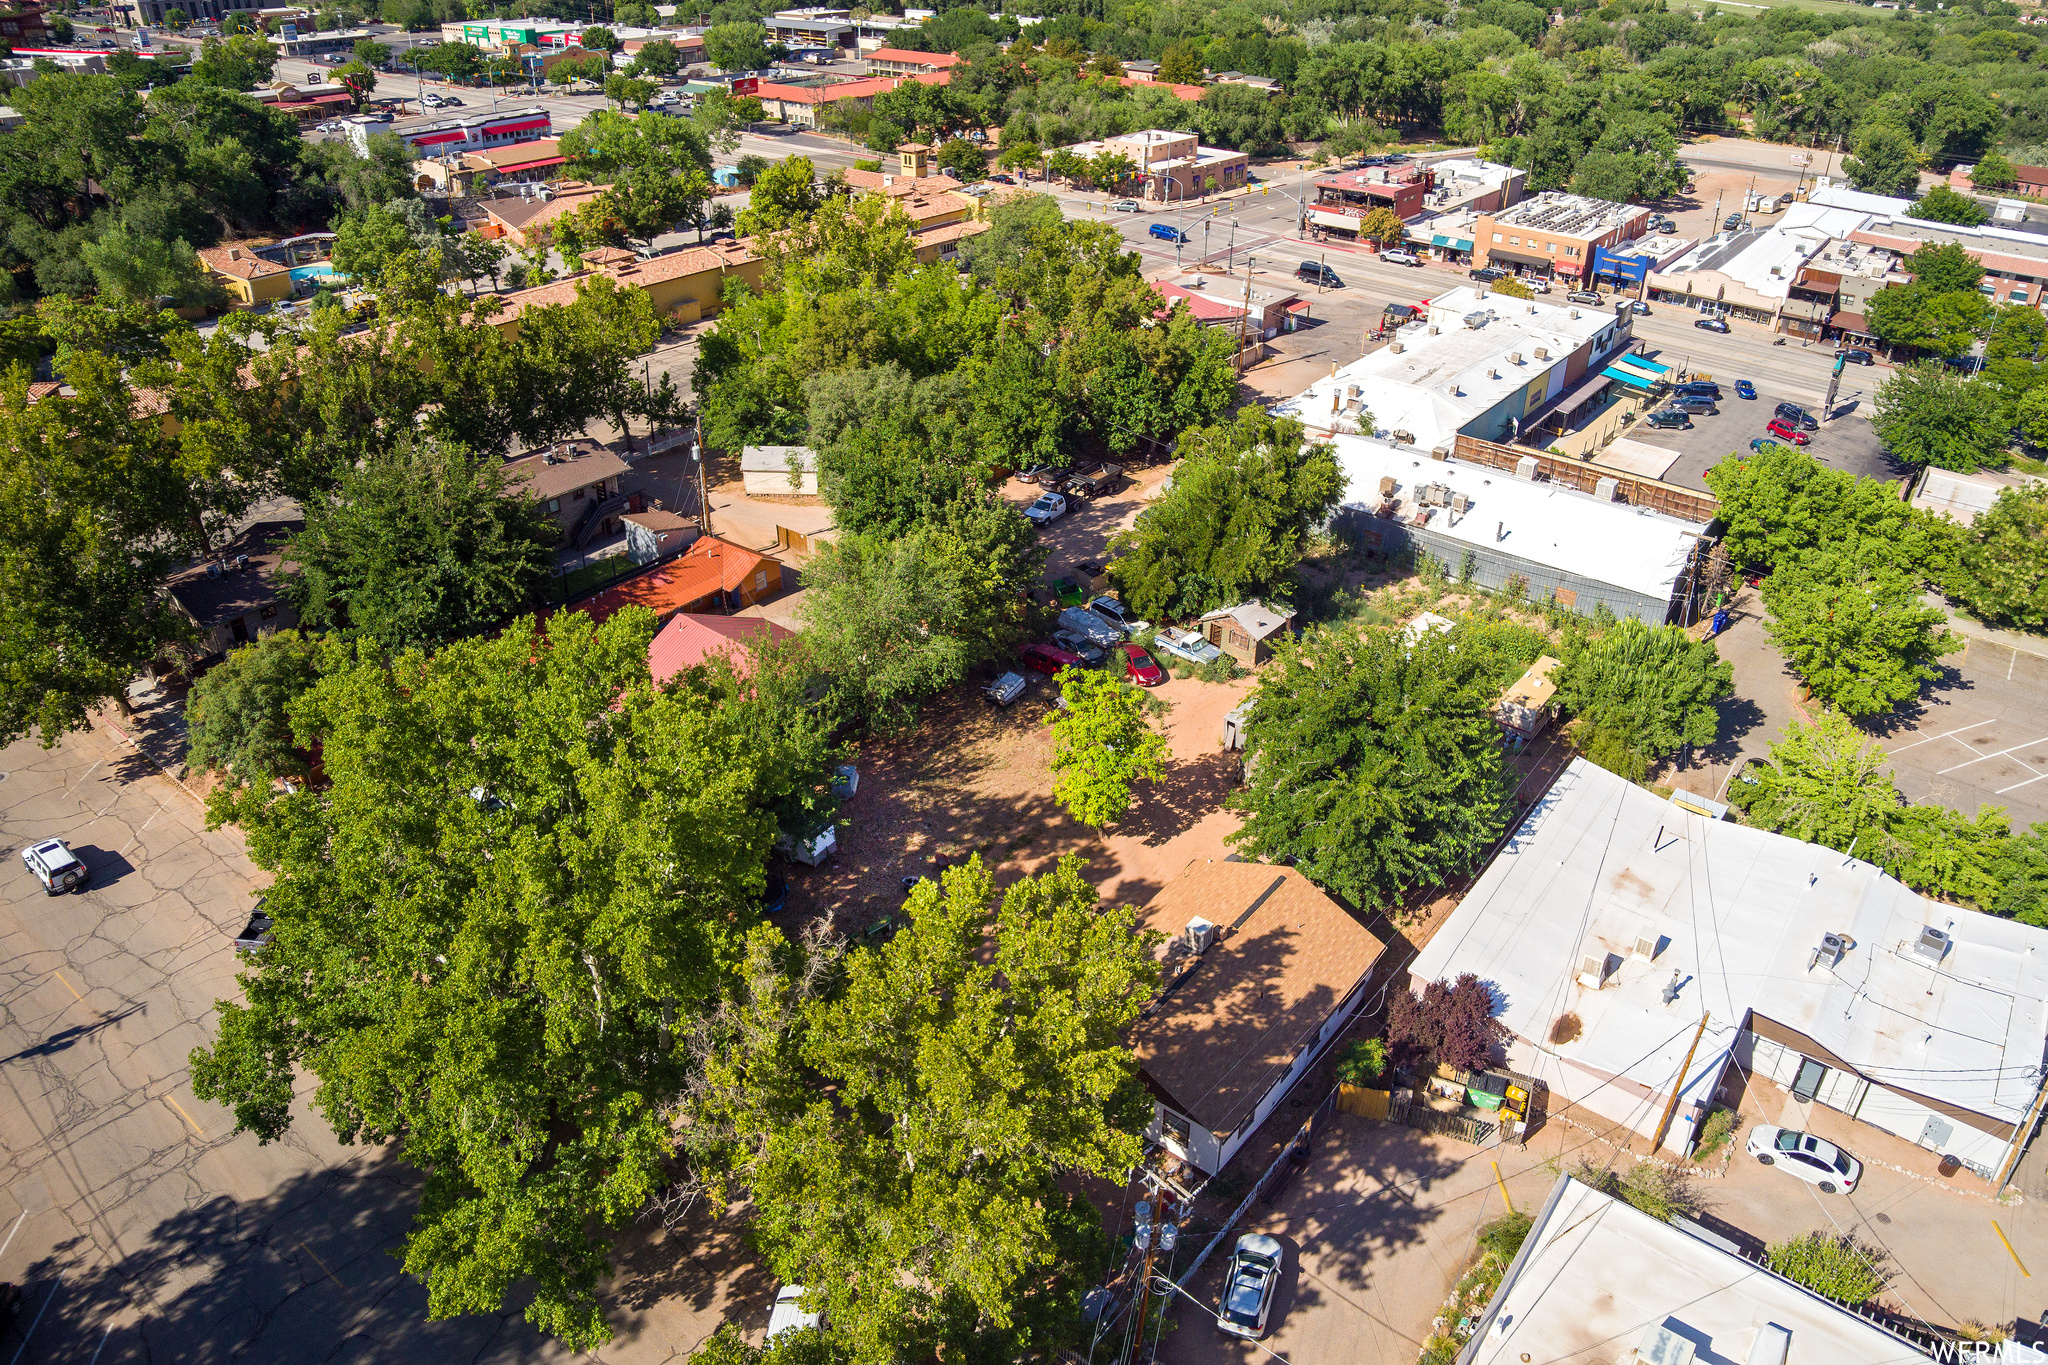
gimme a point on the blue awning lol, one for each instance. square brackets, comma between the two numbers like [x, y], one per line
[1646, 364]
[1642, 376]
[1454, 243]
[1634, 381]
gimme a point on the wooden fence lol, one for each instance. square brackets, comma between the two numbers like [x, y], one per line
[1688, 504]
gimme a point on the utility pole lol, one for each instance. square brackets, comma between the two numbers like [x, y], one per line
[703, 497]
[1664, 1124]
[1154, 1238]
[1245, 321]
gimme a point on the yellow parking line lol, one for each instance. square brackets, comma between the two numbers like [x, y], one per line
[183, 1115]
[317, 1261]
[2009, 1251]
[69, 987]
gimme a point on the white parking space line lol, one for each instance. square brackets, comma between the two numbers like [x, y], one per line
[1928, 739]
[2017, 785]
[2002, 753]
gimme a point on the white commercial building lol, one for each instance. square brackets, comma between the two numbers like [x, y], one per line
[1614, 921]
[1596, 1280]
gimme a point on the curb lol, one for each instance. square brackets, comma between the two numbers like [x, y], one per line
[118, 733]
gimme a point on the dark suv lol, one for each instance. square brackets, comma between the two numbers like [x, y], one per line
[1671, 418]
[1486, 274]
[1798, 416]
[1315, 272]
[1696, 402]
[1701, 388]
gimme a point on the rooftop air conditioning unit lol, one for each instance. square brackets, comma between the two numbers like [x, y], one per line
[1647, 939]
[1199, 934]
[1607, 490]
[1459, 502]
[1543, 353]
[1514, 357]
[1492, 373]
[1397, 347]
[1575, 312]
[1525, 468]
[1832, 946]
[1593, 971]
[1387, 485]
[1404, 438]
[1932, 944]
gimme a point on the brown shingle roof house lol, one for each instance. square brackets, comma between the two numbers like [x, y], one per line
[232, 598]
[1237, 1024]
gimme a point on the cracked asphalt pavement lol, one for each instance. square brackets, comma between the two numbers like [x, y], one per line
[138, 1227]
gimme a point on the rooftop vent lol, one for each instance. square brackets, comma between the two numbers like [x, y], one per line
[1662, 1346]
[1932, 944]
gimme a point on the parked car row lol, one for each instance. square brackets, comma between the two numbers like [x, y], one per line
[1090, 481]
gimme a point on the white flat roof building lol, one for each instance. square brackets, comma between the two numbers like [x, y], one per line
[1819, 971]
[1597, 1280]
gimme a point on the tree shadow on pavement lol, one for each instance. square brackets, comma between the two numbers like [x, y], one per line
[1910, 715]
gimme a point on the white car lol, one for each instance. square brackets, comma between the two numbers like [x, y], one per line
[1186, 644]
[432, 101]
[1812, 1159]
[1049, 508]
[1393, 257]
[1126, 206]
[1248, 1290]
[55, 866]
[788, 1315]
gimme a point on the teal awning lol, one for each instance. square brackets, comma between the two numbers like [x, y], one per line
[1454, 243]
[1634, 381]
[1642, 376]
[1640, 363]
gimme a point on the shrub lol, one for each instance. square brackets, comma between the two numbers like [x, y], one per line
[1363, 1063]
[1220, 670]
[1503, 1237]
[1835, 1265]
[1719, 1127]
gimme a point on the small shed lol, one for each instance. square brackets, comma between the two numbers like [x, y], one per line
[653, 536]
[786, 472]
[1524, 708]
[1243, 631]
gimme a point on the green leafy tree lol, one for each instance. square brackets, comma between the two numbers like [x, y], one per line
[1835, 1265]
[1512, 288]
[1111, 170]
[592, 69]
[657, 59]
[1180, 64]
[2001, 570]
[1385, 227]
[418, 547]
[176, 18]
[897, 619]
[370, 52]
[514, 1019]
[1852, 626]
[1374, 767]
[242, 62]
[584, 358]
[722, 118]
[1993, 172]
[358, 79]
[92, 514]
[972, 1066]
[1782, 503]
[1101, 744]
[1886, 162]
[2020, 867]
[598, 38]
[737, 46]
[782, 196]
[1642, 691]
[238, 710]
[624, 90]
[1246, 497]
[1824, 783]
[138, 268]
[1930, 415]
[1943, 205]
[966, 161]
[397, 250]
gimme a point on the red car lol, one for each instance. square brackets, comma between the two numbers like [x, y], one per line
[1139, 668]
[1048, 659]
[1785, 431]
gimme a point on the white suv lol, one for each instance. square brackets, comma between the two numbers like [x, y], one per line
[1049, 508]
[55, 866]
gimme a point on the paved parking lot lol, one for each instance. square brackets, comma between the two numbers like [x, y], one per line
[1979, 737]
[1383, 1221]
[1846, 443]
[137, 1227]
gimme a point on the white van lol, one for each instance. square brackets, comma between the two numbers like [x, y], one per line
[1089, 626]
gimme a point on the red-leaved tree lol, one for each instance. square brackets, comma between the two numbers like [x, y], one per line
[1449, 1022]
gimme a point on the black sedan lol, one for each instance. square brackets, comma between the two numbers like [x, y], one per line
[1859, 357]
[1712, 324]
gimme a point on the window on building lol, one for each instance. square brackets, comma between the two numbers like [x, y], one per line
[1551, 247]
[2019, 294]
[554, 504]
[1496, 236]
[761, 581]
[1571, 251]
[1174, 1126]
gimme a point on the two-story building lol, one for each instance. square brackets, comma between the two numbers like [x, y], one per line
[1342, 200]
[574, 481]
[895, 61]
[1555, 234]
[1171, 165]
[232, 596]
[248, 278]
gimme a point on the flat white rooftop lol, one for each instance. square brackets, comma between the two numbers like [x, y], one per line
[1601, 865]
[1598, 1281]
[1608, 542]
